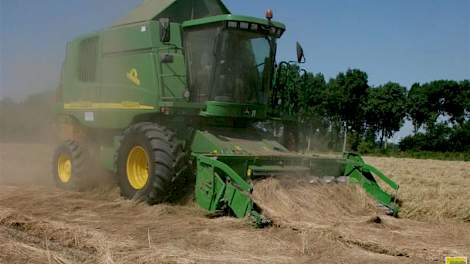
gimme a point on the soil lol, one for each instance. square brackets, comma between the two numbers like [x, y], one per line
[312, 224]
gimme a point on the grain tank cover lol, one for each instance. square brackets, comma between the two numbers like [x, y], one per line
[177, 10]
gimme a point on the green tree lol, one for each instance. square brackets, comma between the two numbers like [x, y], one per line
[312, 94]
[386, 109]
[453, 100]
[312, 106]
[460, 137]
[424, 104]
[288, 83]
[465, 84]
[416, 103]
[287, 103]
[346, 98]
[427, 102]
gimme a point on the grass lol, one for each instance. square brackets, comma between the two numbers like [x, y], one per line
[431, 190]
[450, 156]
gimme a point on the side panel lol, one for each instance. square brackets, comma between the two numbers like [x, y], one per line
[79, 86]
[129, 77]
[135, 75]
[129, 65]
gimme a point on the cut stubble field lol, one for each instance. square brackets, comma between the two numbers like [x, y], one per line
[312, 224]
[431, 190]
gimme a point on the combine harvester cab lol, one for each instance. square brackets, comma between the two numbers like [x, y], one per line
[175, 89]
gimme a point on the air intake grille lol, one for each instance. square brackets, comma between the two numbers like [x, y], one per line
[87, 59]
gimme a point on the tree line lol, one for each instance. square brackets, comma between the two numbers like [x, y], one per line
[322, 110]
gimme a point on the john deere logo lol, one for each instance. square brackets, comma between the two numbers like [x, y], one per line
[133, 76]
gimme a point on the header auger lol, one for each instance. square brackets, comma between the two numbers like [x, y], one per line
[168, 98]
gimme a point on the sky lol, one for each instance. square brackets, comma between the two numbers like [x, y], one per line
[405, 41]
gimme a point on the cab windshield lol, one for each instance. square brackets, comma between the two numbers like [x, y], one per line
[228, 65]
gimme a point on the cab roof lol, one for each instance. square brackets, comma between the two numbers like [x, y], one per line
[176, 10]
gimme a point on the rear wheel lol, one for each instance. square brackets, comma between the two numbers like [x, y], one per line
[69, 166]
[151, 164]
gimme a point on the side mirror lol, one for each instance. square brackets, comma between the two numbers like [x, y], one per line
[165, 33]
[300, 53]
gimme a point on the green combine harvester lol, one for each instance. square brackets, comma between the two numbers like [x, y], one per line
[168, 98]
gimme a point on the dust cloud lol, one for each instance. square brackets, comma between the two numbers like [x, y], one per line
[27, 139]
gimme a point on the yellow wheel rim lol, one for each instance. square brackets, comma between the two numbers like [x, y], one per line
[64, 168]
[138, 167]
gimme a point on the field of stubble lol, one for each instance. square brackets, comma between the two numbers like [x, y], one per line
[313, 224]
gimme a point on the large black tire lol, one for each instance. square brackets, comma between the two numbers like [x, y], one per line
[70, 166]
[167, 166]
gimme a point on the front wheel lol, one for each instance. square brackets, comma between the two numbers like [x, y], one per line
[151, 164]
[69, 166]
